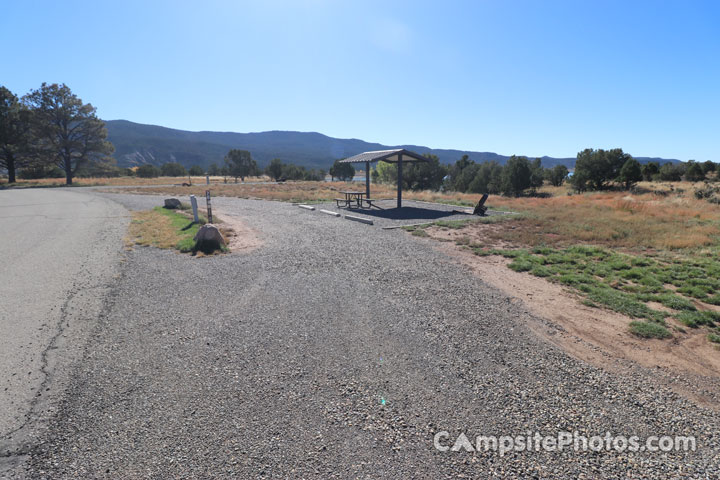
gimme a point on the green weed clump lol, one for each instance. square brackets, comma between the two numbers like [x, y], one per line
[695, 319]
[649, 330]
[625, 283]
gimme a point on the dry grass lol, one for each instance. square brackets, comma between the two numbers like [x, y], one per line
[614, 219]
[661, 216]
[163, 229]
[309, 192]
[658, 216]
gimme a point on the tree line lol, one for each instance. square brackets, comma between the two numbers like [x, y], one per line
[515, 177]
[237, 164]
[594, 170]
[602, 169]
[51, 132]
[50, 128]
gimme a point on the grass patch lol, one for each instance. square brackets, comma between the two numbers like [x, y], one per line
[163, 228]
[695, 319]
[624, 282]
[713, 338]
[623, 303]
[453, 224]
[649, 330]
[675, 302]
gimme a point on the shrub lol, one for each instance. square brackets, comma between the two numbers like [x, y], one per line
[694, 172]
[516, 176]
[630, 173]
[556, 175]
[671, 173]
[594, 169]
[705, 192]
[275, 169]
[196, 171]
[650, 170]
[342, 171]
[148, 171]
[173, 169]
[416, 175]
[239, 163]
[33, 172]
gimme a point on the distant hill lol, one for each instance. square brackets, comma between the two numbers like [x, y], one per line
[137, 144]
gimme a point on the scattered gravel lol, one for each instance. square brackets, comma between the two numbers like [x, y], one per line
[338, 350]
[413, 212]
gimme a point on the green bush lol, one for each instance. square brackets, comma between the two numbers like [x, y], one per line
[196, 171]
[342, 171]
[148, 171]
[595, 169]
[630, 173]
[173, 169]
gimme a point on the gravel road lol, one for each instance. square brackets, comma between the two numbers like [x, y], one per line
[59, 250]
[337, 350]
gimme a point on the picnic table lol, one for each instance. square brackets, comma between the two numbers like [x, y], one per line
[350, 198]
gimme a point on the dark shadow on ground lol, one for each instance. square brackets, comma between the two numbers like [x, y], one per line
[405, 213]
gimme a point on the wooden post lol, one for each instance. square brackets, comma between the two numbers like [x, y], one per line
[367, 179]
[193, 202]
[399, 180]
[209, 207]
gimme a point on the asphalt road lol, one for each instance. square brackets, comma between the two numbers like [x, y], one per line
[336, 350]
[59, 249]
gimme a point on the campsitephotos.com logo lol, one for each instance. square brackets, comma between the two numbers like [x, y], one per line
[562, 441]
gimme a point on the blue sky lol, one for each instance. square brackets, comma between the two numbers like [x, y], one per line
[512, 77]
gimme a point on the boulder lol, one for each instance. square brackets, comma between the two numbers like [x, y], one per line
[208, 239]
[172, 203]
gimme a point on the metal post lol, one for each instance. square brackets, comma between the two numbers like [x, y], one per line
[367, 179]
[209, 207]
[207, 179]
[193, 202]
[399, 180]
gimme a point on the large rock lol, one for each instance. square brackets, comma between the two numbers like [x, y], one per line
[172, 203]
[208, 239]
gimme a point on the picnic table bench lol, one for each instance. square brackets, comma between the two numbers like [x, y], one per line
[350, 199]
[356, 200]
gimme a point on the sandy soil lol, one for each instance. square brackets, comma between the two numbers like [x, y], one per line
[240, 238]
[687, 362]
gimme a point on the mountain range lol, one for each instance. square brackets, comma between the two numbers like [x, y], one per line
[137, 144]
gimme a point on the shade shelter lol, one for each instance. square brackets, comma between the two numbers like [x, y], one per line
[399, 156]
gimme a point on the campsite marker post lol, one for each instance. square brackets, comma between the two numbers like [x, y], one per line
[399, 180]
[193, 202]
[209, 207]
[367, 180]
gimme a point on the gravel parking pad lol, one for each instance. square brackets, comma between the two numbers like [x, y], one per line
[338, 350]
